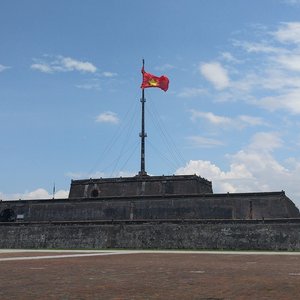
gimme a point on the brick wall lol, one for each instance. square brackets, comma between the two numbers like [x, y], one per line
[235, 235]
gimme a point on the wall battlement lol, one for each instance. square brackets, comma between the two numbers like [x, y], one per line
[140, 185]
[204, 206]
[152, 212]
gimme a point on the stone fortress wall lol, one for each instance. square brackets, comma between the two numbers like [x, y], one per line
[179, 212]
[206, 206]
[234, 235]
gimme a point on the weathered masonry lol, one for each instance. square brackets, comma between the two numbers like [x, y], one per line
[197, 234]
[152, 212]
[149, 198]
[140, 186]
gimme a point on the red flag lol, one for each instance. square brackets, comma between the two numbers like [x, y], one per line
[150, 80]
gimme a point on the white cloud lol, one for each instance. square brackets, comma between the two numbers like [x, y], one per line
[73, 64]
[288, 32]
[252, 47]
[39, 193]
[89, 86]
[253, 168]
[204, 142]
[216, 74]
[108, 117]
[3, 68]
[290, 62]
[271, 77]
[42, 67]
[229, 57]
[63, 64]
[288, 101]
[61, 194]
[243, 86]
[209, 116]
[267, 141]
[277, 80]
[240, 121]
[191, 92]
[222, 181]
[125, 174]
[109, 74]
[211, 171]
[252, 121]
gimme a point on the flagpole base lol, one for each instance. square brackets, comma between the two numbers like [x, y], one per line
[142, 173]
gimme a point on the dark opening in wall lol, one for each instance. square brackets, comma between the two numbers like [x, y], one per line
[95, 193]
[7, 215]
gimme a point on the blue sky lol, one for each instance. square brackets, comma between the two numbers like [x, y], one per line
[70, 89]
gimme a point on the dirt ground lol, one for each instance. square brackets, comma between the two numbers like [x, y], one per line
[149, 276]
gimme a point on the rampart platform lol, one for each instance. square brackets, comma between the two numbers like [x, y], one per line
[179, 212]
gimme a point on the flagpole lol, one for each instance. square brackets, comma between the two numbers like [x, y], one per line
[143, 134]
[53, 191]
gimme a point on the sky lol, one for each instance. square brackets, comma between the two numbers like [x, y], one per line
[70, 76]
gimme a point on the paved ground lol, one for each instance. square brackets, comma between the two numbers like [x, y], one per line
[122, 275]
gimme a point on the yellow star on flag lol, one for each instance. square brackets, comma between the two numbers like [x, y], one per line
[153, 82]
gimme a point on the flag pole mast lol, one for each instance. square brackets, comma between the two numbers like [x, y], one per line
[143, 134]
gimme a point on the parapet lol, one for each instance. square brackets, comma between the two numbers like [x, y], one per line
[140, 186]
